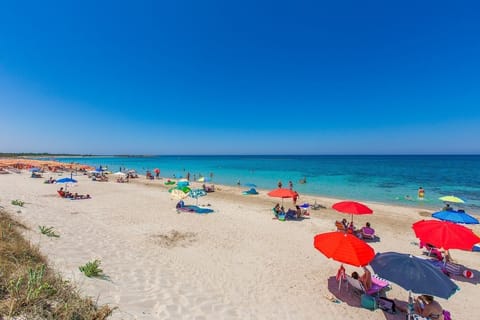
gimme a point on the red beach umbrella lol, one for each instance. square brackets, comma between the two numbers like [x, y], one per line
[352, 208]
[444, 234]
[344, 247]
[282, 193]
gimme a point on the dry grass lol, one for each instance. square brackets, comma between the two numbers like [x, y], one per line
[29, 289]
[425, 213]
[174, 239]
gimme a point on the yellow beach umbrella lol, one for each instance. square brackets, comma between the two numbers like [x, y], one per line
[452, 199]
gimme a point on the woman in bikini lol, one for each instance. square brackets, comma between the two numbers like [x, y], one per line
[425, 306]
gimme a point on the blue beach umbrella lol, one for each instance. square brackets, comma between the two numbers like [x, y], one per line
[252, 185]
[413, 274]
[34, 169]
[66, 181]
[456, 217]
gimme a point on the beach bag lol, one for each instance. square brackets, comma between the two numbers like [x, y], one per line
[447, 315]
[387, 305]
[368, 302]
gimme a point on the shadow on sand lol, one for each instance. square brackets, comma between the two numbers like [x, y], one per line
[352, 298]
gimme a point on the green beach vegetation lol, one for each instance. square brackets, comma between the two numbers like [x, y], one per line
[92, 269]
[29, 289]
[40, 154]
[48, 231]
[17, 202]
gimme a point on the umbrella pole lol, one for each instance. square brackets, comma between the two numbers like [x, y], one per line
[410, 307]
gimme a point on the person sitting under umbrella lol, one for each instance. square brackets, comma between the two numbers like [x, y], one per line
[365, 278]
[292, 214]
[425, 306]
[277, 210]
[447, 207]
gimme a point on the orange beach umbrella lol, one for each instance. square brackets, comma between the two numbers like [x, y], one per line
[344, 247]
[282, 193]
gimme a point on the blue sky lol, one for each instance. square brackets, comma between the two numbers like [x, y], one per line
[246, 77]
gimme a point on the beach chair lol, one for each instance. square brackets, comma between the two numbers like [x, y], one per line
[378, 284]
[432, 250]
[340, 226]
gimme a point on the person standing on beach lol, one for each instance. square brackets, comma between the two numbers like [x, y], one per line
[421, 193]
[290, 184]
[295, 198]
[280, 184]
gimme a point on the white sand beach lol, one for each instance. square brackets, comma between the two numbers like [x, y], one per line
[236, 263]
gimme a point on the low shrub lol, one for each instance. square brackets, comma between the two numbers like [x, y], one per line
[92, 269]
[48, 231]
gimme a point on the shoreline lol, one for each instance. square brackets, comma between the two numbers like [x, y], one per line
[236, 263]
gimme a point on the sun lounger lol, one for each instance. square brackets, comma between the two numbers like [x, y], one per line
[340, 226]
[378, 284]
[449, 268]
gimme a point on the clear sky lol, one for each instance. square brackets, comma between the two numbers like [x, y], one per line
[240, 77]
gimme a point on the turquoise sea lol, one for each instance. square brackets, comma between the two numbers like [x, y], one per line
[387, 179]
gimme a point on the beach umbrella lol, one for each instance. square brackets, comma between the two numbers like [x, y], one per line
[184, 189]
[455, 217]
[282, 193]
[119, 174]
[204, 179]
[34, 169]
[183, 183]
[344, 248]
[251, 185]
[66, 181]
[451, 199]
[413, 274]
[196, 193]
[178, 194]
[445, 234]
[352, 207]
